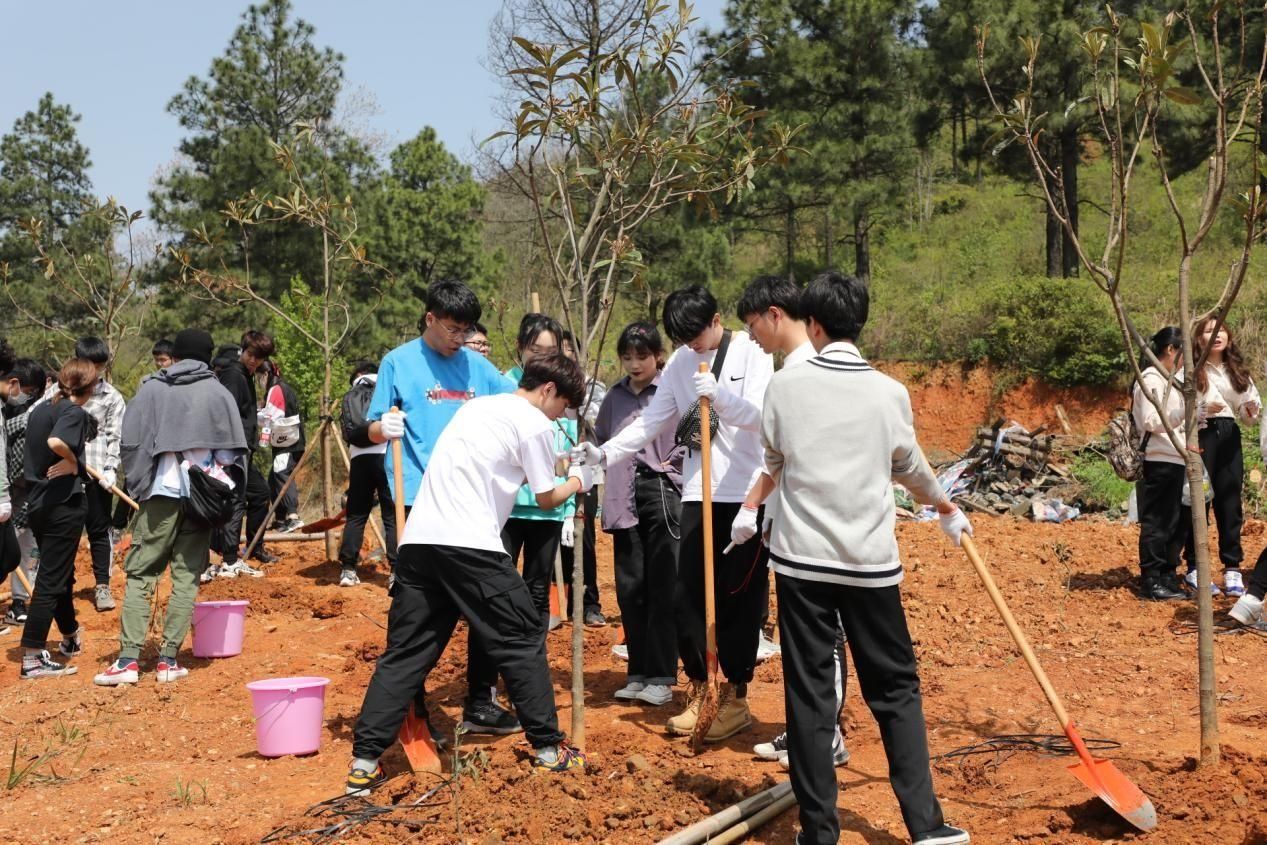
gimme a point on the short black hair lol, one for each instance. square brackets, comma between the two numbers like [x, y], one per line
[258, 344]
[570, 339]
[7, 356]
[92, 348]
[641, 338]
[766, 292]
[689, 311]
[558, 368]
[479, 327]
[362, 367]
[29, 373]
[453, 299]
[162, 347]
[837, 302]
[533, 324]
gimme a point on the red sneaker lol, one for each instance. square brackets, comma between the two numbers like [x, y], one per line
[118, 672]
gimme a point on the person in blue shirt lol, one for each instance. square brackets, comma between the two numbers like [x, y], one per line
[428, 379]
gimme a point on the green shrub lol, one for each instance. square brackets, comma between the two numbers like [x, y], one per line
[1101, 488]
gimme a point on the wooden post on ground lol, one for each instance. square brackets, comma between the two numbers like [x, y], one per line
[578, 630]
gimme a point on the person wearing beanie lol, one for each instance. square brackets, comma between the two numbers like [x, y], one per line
[181, 420]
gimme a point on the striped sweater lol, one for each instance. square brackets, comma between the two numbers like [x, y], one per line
[836, 434]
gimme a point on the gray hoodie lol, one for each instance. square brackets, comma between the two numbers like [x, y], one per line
[178, 408]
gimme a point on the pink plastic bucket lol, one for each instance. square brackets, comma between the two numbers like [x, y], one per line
[288, 714]
[218, 628]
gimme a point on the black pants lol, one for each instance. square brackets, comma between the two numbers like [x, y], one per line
[252, 504]
[884, 660]
[538, 539]
[434, 586]
[57, 529]
[646, 578]
[97, 523]
[367, 478]
[122, 514]
[1221, 452]
[741, 582]
[1158, 495]
[277, 479]
[589, 558]
[1257, 584]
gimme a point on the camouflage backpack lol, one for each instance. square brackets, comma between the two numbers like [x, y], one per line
[1126, 446]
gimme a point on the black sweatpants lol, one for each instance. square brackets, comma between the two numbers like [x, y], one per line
[741, 582]
[57, 529]
[97, 522]
[1256, 586]
[884, 660]
[434, 586]
[367, 478]
[1159, 495]
[589, 558]
[646, 577]
[277, 479]
[1220, 442]
[252, 505]
[538, 539]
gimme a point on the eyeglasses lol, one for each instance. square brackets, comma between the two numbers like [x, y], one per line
[748, 324]
[454, 330]
[477, 344]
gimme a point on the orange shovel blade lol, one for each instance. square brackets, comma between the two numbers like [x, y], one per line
[420, 748]
[556, 616]
[1118, 791]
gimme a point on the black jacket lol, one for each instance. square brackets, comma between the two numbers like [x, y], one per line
[241, 385]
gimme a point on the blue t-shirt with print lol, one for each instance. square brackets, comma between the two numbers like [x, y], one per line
[429, 388]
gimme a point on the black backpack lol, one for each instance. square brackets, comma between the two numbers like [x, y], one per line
[353, 424]
[209, 503]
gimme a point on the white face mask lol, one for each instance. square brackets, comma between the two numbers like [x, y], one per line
[17, 399]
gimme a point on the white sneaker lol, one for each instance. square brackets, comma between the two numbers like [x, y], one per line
[772, 750]
[348, 577]
[630, 691]
[839, 753]
[655, 695]
[239, 567]
[168, 671]
[1191, 580]
[621, 651]
[1232, 583]
[767, 648]
[209, 574]
[118, 673]
[1247, 610]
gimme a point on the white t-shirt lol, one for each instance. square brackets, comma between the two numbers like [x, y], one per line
[478, 464]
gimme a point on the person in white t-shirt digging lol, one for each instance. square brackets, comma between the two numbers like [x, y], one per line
[452, 563]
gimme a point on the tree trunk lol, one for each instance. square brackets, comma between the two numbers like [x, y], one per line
[327, 476]
[1070, 153]
[1053, 244]
[862, 246]
[954, 145]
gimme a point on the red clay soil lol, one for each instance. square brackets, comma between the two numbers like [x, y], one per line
[177, 763]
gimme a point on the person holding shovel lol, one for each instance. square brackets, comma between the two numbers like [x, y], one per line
[21, 389]
[834, 552]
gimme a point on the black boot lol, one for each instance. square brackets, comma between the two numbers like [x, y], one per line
[1156, 589]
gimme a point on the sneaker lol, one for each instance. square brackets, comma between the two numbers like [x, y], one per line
[209, 574]
[361, 781]
[264, 557]
[775, 749]
[733, 716]
[119, 672]
[105, 601]
[391, 580]
[767, 648]
[1232, 583]
[239, 567]
[72, 644]
[1247, 610]
[17, 612]
[292, 524]
[629, 691]
[558, 758]
[655, 695]
[683, 724]
[42, 666]
[944, 835]
[594, 619]
[621, 651]
[839, 754]
[168, 670]
[489, 717]
[1190, 583]
[348, 577]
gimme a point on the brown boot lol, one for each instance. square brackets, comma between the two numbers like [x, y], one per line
[683, 724]
[733, 716]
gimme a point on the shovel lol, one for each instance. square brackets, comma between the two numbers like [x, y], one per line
[322, 525]
[709, 706]
[1100, 776]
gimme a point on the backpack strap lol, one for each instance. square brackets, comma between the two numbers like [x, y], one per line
[720, 360]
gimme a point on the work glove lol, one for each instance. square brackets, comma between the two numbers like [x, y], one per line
[568, 537]
[744, 528]
[954, 525]
[705, 386]
[587, 454]
[584, 474]
[6, 511]
[108, 478]
[392, 425]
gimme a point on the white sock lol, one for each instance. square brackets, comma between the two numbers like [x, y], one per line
[548, 754]
[362, 763]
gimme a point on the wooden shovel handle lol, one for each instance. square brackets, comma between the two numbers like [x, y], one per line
[398, 477]
[706, 487]
[96, 476]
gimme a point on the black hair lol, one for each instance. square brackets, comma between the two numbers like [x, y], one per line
[766, 292]
[225, 355]
[1165, 338]
[453, 299]
[162, 347]
[93, 349]
[558, 368]
[838, 303]
[479, 328]
[570, 338]
[641, 337]
[689, 311]
[29, 373]
[362, 367]
[258, 344]
[7, 356]
[531, 327]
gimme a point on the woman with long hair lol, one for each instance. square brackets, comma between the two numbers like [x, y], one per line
[1227, 394]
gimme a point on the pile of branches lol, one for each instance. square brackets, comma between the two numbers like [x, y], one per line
[1008, 467]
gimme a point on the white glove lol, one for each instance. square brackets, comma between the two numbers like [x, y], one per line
[587, 454]
[744, 528]
[569, 533]
[705, 386]
[954, 525]
[583, 473]
[6, 511]
[392, 425]
[108, 478]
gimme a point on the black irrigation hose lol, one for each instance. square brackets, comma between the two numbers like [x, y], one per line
[353, 811]
[1005, 746]
[1183, 629]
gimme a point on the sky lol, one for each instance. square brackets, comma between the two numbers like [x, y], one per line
[119, 64]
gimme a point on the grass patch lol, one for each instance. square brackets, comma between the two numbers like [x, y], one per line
[1101, 488]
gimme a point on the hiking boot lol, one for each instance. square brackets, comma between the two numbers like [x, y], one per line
[839, 754]
[168, 670]
[1151, 590]
[944, 835]
[42, 666]
[72, 645]
[105, 601]
[558, 758]
[348, 577]
[361, 781]
[594, 619]
[655, 695]
[17, 612]
[239, 567]
[292, 524]
[489, 717]
[767, 648]
[1247, 610]
[629, 691]
[121, 671]
[209, 574]
[733, 716]
[1232, 583]
[683, 724]
[621, 652]
[1190, 584]
[264, 557]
